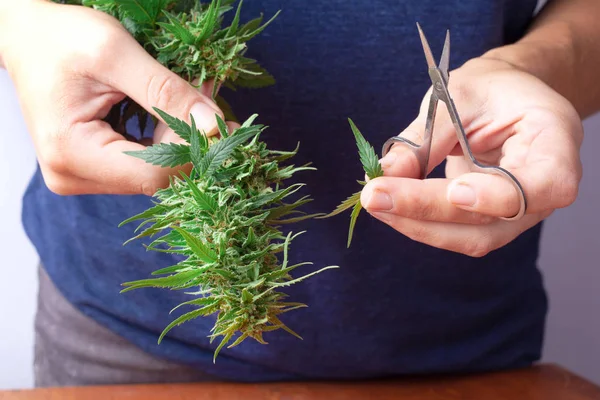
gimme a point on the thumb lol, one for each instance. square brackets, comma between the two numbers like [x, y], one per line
[164, 134]
[150, 84]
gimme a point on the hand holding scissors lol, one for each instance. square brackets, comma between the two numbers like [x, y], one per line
[527, 135]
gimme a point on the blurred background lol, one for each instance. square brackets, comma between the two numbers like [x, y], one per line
[569, 261]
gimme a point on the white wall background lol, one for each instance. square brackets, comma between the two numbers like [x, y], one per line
[18, 260]
[573, 336]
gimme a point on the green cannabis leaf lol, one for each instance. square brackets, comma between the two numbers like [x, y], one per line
[368, 158]
[164, 154]
[370, 163]
[224, 218]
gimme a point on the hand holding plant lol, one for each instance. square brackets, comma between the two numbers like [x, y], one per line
[82, 78]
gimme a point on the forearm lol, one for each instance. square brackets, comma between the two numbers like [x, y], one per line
[561, 48]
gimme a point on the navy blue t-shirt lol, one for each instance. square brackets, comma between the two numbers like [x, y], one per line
[394, 306]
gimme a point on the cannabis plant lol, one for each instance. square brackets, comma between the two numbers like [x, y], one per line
[224, 218]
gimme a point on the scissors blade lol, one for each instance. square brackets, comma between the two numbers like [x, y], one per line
[426, 48]
[445, 59]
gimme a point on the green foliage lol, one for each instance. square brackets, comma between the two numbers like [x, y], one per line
[225, 218]
[188, 38]
[164, 154]
[372, 168]
[368, 158]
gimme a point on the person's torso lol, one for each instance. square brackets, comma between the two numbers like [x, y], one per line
[394, 306]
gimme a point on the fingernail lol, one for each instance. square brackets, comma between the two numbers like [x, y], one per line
[379, 201]
[462, 194]
[388, 160]
[204, 116]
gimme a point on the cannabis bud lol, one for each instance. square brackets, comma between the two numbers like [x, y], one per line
[225, 217]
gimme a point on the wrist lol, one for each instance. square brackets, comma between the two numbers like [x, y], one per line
[551, 56]
[548, 57]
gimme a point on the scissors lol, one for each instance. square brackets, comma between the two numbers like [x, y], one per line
[439, 79]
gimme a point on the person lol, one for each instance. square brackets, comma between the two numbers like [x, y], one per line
[434, 282]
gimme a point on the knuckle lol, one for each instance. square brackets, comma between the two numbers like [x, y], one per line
[420, 234]
[483, 219]
[58, 185]
[569, 190]
[563, 190]
[164, 89]
[478, 248]
[101, 45]
[149, 187]
[53, 153]
[419, 208]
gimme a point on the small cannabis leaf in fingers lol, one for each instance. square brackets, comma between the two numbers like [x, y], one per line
[372, 168]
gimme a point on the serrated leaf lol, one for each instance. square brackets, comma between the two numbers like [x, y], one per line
[277, 322]
[239, 340]
[236, 21]
[288, 283]
[177, 29]
[205, 201]
[181, 128]
[180, 320]
[168, 281]
[368, 158]
[196, 149]
[167, 270]
[223, 130]
[210, 19]
[219, 151]
[223, 343]
[200, 249]
[353, 217]
[150, 212]
[246, 296]
[141, 11]
[345, 205]
[164, 154]
[252, 29]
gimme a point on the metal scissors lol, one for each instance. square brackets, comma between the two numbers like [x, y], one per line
[439, 79]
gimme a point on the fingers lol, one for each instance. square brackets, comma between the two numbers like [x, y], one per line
[541, 151]
[471, 240]
[492, 195]
[544, 157]
[92, 161]
[423, 200]
[150, 84]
